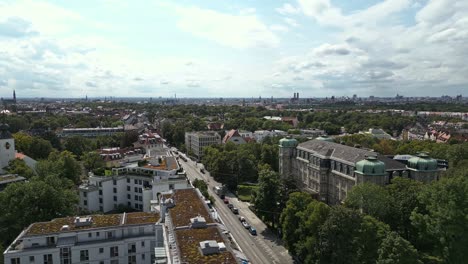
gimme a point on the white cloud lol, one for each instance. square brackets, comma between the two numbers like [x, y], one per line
[287, 9]
[291, 22]
[237, 31]
[279, 28]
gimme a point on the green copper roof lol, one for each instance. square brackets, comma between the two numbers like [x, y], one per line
[288, 142]
[370, 166]
[422, 162]
[325, 138]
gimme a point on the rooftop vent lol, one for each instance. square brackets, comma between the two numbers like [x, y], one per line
[209, 247]
[65, 228]
[198, 222]
[83, 221]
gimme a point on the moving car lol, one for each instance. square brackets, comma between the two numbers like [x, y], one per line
[246, 225]
[226, 200]
[242, 219]
[235, 210]
[230, 206]
[253, 231]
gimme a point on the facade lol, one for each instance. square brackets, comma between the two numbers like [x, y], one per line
[329, 170]
[135, 187]
[90, 132]
[150, 142]
[195, 142]
[7, 147]
[233, 136]
[115, 238]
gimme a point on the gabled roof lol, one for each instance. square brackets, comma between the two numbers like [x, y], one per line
[230, 134]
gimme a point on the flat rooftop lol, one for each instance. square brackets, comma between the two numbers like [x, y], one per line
[98, 221]
[187, 205]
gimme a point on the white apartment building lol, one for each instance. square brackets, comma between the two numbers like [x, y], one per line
[259, 135]
[135, 187]
[95, 239]
[90, 132]
[197, 141]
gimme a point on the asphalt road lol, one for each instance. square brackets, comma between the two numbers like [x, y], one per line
[263, 248]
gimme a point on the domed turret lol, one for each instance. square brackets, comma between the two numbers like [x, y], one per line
[370, 166]
[422, 162]
[288, 142]
[325, 138]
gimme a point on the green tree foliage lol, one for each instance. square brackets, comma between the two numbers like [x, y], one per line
[370, 199]
[78, 145]
[37, 200]
[396, 250]
[443, 219]
[267, 196]
[34, 147]
[18, 166]
[291, 219]
[63, 164]
[92, 160]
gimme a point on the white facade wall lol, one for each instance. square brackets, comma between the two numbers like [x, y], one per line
[6, 154]
[144, 237]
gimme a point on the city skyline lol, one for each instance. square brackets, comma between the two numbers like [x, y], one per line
[63, 49]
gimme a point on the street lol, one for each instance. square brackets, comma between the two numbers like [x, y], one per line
[262, 248]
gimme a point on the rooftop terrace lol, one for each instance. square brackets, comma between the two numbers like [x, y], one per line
[98, 221]
[188, 205]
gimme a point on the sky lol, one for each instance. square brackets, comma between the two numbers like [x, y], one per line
[228, 48]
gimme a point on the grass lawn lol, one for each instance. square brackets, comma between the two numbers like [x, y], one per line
[244, 192]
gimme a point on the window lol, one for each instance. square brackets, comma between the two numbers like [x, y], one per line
[31, 259]
[132, 259]
[136, 197]
[139, 182]
[90, 234]
[129, 196]
[65, 256]
[115, 190]
[142, 243]
[101, 208]
[114, 261]
[98, 234]
[115, 198]
[110, 234]
[101, 250]
[100, 192]
[85, 202]
[135, 181]
[129, 204]
[136, 189]
[100, 184]
[140, 206]
[100, 201]
[48, 259]
[132, 248]
[128, 188]
[142, 256]
[114, 252]
[140, 198]
[85, 194]
[140, 190]
[114, 182]
[101, 262]
[128, 180]
[84, 256]
[15, 261]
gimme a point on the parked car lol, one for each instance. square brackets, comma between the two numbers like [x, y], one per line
[235, 210]
[242, 219]
[226, 200]
[246, 225]
[230, 206]
[252, 231]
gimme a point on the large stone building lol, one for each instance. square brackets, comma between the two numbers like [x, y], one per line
[114, 238]
[195, 142]
[329, 170]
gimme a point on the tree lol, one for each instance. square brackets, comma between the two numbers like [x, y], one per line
[395, 249]
[290, 218]
[19, 167]
[22, 141]
[77, 145]
[370, 198]
[39, 148]
[266, 199]
[442, 219]
[62, 164]
[92, 160]
[37, 200]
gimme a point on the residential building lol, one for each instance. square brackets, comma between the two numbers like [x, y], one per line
[114, 238]
[195, 142]
[260, 135]
[234, 137]
[151, 142]
[377, 133]
[132, 186]
[329, 170]
[90, 132]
